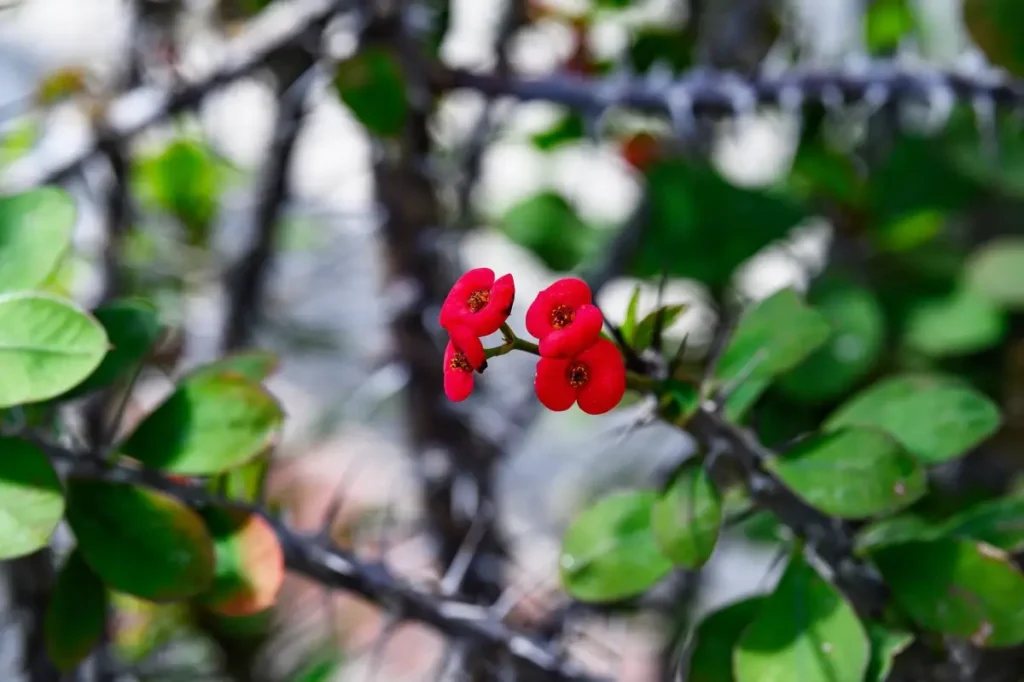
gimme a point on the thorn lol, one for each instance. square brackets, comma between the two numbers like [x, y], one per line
[338, 498]
[456, 573]
[718, 345]
[677, 358]
[659, 316]
[376, 654]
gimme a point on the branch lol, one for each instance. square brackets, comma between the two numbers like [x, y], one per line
[317, 558]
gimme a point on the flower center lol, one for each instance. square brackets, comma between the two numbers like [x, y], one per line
[478, 299]
[459, 363]
[562, 316]
[577, 375]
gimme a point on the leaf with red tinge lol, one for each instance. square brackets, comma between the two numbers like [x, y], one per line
[76, 614]
[141, 542]
[250, 563]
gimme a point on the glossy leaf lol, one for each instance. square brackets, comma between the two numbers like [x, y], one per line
[852, 473]
[568, 128]
[254, 365]
[855, 342]
[896, 530]
[887, 23]
[185, 179]
[548, 225]
[31, 498]
[932, 416]
[687, 517]
[960, 323]
[141, 542]
[47, 346]
[886, 644]
[211, 423]
[628, 327]
[806, 625]
[609, 552]
[771, 338]
[372, 86]
[716, 639]
[133, 327]
[957, 587]
[998, 522]
[76, 615]
[35, 234]
[644, 336]
[250, 563]
[996, 271]
[702, 227]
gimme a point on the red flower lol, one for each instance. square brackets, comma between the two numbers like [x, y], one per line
[479, 303]
[640, 150]
[595, 379]
[563, 319]
[462, 356]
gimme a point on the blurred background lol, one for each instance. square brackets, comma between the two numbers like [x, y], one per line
[302, 151]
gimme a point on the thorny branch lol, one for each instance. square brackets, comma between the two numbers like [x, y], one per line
[316, 557]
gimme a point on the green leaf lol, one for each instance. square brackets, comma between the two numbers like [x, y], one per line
[568, 128]
[211, 423]
[141, 542]
[254, 365]
[645, 330]
[250, 563]
[957, 587]
[896, 530]
[687, 518]
[76, 615]
[47, 346]
[35, 234]
[998, 522]
[628, 328]
[855, 343]
[716, 639]
[959, 323]
[934, 417]
[372, 85]
[246, 482]
[609, 552]
[185, 179]
[31, 498]
[852, 473]
[19, 139]
[887, 23]
[996, 271]
[990, 24]
[672, 47]
[771, 338]
[548, 225]
[702, 227]
[886, 645]
[806, 625]
[132, 325]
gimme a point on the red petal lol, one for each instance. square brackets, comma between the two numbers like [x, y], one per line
[538, 315]
[469, 344]
[552, 385]
[577, 337]
[456, 305]
[571, 291]
[503, 295]
[458, 385]
[606, 383]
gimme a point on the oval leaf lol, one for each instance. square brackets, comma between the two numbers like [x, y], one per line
[806, 628]
[141, 542]
[958, 587]
[35, 233]
[47, 346]
[132, 326]
[687, 518]
[896, 530]
[254, 365]
[999, 523]
[372, 85]
[609, 551]
[76, 615]
[934, 417]
[852, 473]
[960, 323]
[212, 422]
[716, 639]
[996, 271]
[250, 562]
[31, 499]
[886, 645]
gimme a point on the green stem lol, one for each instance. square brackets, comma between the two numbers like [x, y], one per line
[512, 342]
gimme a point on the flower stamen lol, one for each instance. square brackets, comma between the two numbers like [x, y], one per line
[577, 375]
[562, 317]
[478, 299]
[460, 363]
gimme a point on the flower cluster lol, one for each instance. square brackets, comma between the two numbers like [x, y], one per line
[577, 364]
